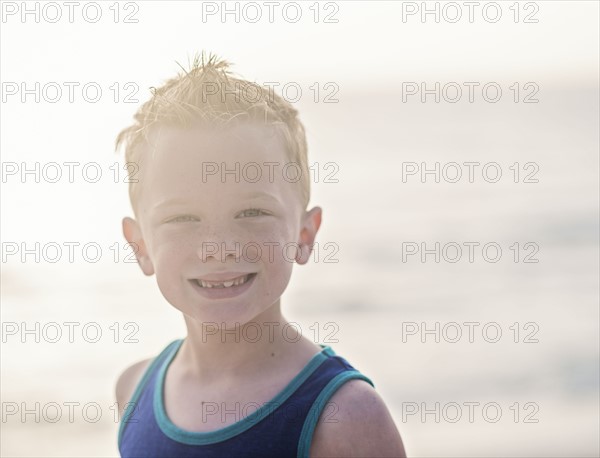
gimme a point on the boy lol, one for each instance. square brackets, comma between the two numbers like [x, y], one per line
[220, 225]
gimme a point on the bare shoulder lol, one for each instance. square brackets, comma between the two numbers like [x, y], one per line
[364, 426]
[127, 382]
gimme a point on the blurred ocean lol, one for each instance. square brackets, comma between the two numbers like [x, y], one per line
[370, 293]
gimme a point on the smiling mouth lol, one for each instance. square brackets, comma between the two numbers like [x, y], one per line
[225, 284]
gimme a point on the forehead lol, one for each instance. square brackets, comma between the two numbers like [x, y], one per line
[214, 161]
[213, 134]
[242, 141]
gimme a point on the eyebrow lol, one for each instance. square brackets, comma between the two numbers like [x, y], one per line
[250, 195]
[171, 201]
[258, 194]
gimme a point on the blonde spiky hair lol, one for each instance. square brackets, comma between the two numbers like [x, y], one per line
[209, 92]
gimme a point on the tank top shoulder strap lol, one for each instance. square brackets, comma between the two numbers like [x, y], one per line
[151, 369]
[334, 374]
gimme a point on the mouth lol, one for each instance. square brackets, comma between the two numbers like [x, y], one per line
[224, 284]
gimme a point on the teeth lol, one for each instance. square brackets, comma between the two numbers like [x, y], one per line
[226, 284]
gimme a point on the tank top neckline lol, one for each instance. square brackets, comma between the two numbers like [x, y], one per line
[209, 437]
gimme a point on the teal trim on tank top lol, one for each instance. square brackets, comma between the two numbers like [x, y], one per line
[219, 435]
[138, 390]
[315, 411]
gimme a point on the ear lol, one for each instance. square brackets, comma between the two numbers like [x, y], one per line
[133, 234]
[310, 226]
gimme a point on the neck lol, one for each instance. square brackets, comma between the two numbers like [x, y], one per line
[211, 355]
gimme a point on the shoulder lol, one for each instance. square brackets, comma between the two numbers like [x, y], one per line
[360, 425]
[128, 381]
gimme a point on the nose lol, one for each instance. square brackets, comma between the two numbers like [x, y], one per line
[220, 244]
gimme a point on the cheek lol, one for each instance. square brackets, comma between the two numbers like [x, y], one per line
[278, 258]
[275, 277]
[169, 259]
[170, 250]
[278, 232]
[175, 241]
[277, 246]
[171, 268]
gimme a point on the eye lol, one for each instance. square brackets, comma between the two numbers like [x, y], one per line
[182, 219]
[252, 212]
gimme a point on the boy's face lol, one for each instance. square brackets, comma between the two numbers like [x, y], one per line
[206, 216]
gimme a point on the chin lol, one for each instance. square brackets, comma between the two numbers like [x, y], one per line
[221, 316]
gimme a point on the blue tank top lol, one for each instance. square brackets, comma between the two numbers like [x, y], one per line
[282, 427]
